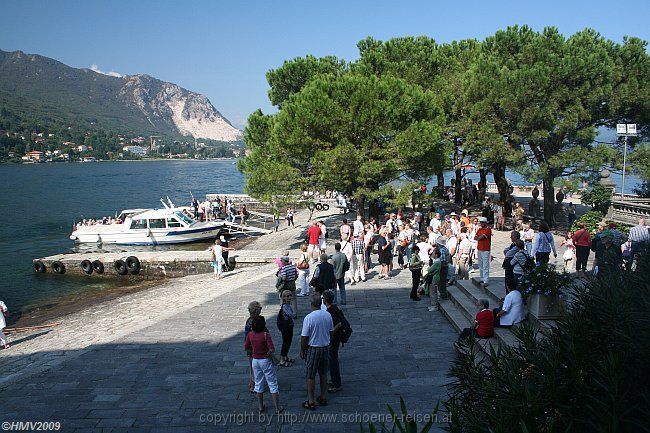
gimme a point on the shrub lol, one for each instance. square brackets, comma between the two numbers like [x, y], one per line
[592, 219]
[589, 374]
[545, 280]
[598, 198]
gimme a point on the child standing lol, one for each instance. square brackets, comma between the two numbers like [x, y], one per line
[570, 252]
[260, 343]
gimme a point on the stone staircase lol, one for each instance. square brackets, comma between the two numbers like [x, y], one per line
[461, 308]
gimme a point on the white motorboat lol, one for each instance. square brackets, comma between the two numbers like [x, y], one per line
[148, 227]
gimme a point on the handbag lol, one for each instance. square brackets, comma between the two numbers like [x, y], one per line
[303, 264]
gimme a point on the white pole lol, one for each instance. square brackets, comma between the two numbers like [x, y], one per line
[624, 160]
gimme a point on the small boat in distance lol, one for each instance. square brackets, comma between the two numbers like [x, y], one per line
[148, 227]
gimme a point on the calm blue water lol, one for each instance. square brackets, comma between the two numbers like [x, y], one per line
[40, 201]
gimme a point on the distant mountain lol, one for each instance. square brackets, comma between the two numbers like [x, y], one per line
[45, 89]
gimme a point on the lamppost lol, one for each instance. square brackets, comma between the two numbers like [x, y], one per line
[625, 130]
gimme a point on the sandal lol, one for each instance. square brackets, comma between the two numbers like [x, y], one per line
[307, 405]
[322, 401]
[279, 411]
[284, 364]
[262, 409]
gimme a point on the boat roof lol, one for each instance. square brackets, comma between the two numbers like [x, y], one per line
[155, 213]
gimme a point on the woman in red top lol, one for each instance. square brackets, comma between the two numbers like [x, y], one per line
[259, 342]
[582, 241]
[483, 326]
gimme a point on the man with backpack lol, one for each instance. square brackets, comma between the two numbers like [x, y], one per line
[521, 262]
[340, 335]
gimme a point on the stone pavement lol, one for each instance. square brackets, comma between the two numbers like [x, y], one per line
[185, 369]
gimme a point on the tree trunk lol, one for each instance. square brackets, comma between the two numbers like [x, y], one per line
[482, 183]
[361, 207]
[458, 189]
[499, 173]
[441, 183]
[373, 209]
[549, 198]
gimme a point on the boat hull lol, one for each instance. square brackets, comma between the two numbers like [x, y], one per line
[146, 237]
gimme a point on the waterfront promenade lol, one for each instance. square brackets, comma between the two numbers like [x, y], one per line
[171, 358]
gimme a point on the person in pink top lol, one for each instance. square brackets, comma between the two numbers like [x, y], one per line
[260, 344]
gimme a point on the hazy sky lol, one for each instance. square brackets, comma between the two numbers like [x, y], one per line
[223, 49]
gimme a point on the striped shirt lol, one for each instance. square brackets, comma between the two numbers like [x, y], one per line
[289, 272]
[639, 234]
[357, 246]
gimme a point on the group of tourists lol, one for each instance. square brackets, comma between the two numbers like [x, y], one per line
[210, 210]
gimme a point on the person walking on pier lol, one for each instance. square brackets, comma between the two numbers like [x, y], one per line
[543, 244]
[582, 241]
[314, 349]
[3, 338]
[341, 266]
[639, 236]
[323, 277]
[285, 319]
[260, 343]
[217, 258]
[313, 235]
[335, 340]
[484, 242]
[302, 264]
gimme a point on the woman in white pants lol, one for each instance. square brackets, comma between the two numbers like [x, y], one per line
[302, 264]
[3, 338]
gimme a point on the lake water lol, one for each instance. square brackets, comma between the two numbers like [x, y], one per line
[41, 201]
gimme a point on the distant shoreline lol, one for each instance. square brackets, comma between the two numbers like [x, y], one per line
[118, 160]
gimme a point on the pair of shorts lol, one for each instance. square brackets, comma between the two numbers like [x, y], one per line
[264, 371]
[313, 247]
[317, 361]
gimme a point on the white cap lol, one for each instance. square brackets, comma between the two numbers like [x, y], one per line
[482, 219]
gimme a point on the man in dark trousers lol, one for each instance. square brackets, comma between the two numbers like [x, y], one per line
[323, 277]
[335, 341]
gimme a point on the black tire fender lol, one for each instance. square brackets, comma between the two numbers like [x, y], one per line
[133, 264]
[87, 267]
[98, 267]
[58, 267]
[39, 267]
[120, 267]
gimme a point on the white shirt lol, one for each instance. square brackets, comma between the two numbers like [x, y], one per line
[513, 305]
[451, 244]
[433, 236]
[357, 228]
[346, 248]
[317, 325]
[425, 252]
[435, 224]
[3, 307]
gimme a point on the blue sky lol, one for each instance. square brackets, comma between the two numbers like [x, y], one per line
[223, 49]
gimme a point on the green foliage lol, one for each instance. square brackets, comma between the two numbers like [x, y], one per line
[349, 133]
[598, 197]
[588, 374]
[403, 422]
[639, 161]
[545, 280]
[591, 220]
[643, 190]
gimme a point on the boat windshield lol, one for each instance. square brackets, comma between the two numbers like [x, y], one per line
[181, 216]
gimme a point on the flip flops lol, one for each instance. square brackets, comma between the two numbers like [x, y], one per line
[307, 405]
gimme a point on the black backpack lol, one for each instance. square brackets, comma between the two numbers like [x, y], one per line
[346, 330]
[529, 265]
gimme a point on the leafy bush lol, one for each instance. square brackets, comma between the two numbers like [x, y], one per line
[545, 280]
[598, 198]
[587, 375]
[591, 220]
[404, 422]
